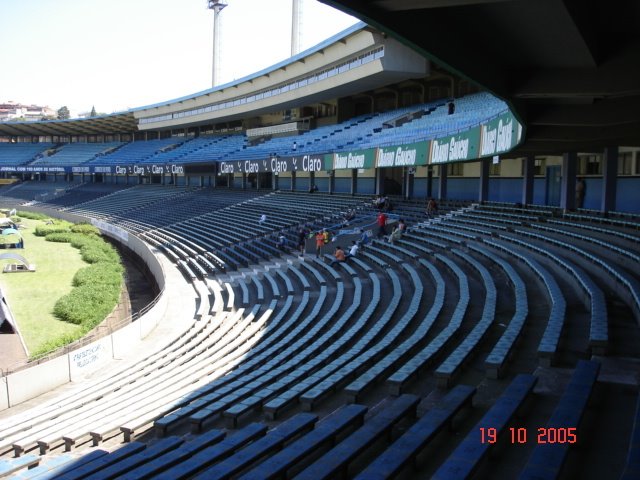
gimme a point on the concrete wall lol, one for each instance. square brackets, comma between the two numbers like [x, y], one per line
[31, 382]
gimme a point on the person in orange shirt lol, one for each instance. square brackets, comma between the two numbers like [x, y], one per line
[339, 254]
[319, 243]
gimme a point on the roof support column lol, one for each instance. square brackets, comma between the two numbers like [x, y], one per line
[379, 181]
[430, 181]
[354, 181]
[609, 179]
[483, 194]
[293, 180]
[408, 182]
[442, 181]
[529, 163]
[568, 181]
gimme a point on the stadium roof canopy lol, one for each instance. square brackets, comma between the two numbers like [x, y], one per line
[569, 68]
[108, 124]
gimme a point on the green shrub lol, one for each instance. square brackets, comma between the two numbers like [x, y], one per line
[100, 273]
[15, 219]
[93, 248]
[59, 237]
[44, 230]
[96, 287]
[32, 215]
[87, 305]
[85, 228]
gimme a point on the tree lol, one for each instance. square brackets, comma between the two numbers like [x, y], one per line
[93, 112]
[63, 113]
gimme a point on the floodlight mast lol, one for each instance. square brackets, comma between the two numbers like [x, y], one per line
[216, 6]
[296, 17]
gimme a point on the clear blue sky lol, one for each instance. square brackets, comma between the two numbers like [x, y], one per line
[120, 54]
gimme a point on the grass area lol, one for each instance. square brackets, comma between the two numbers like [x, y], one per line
[32, 296]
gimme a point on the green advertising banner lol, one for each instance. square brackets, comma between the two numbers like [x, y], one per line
[496, 136]
[499, 135]
[463, 146]
[409, 155]
[328, 162]
[355, 159]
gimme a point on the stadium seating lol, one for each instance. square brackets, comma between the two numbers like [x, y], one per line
[21, 153]
[72, 154]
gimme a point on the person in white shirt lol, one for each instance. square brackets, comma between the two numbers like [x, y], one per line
[353, 250]
[263, 219]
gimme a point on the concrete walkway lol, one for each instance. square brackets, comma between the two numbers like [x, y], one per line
[11, 351]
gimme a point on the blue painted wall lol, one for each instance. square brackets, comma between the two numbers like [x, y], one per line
[461, 188]
[342, 185]
[284, 183]
[367, 186]
[302, 184]
[322, 184]
[628, 195]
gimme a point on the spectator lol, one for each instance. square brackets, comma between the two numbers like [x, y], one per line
[319, 243]
[395, 235]
[387, 206]
[339, 255]
[581, 189]
[282, 242]
[382, 222]
[364, 239]
[432, 208]
[349, 216]
[402, 226]
[263, 219]
[313, 188]
[302, 236]
[353, 250]
[326, 235]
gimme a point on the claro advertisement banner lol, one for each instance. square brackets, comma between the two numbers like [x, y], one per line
[140, 169]
[301, 163]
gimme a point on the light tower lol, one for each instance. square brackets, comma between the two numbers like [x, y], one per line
[216, 6]
[296, 17]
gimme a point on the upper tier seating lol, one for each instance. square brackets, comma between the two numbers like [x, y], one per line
[72, 154]
[21, 153]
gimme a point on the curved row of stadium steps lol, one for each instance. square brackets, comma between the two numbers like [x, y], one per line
[457, 264]
[232, 238]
